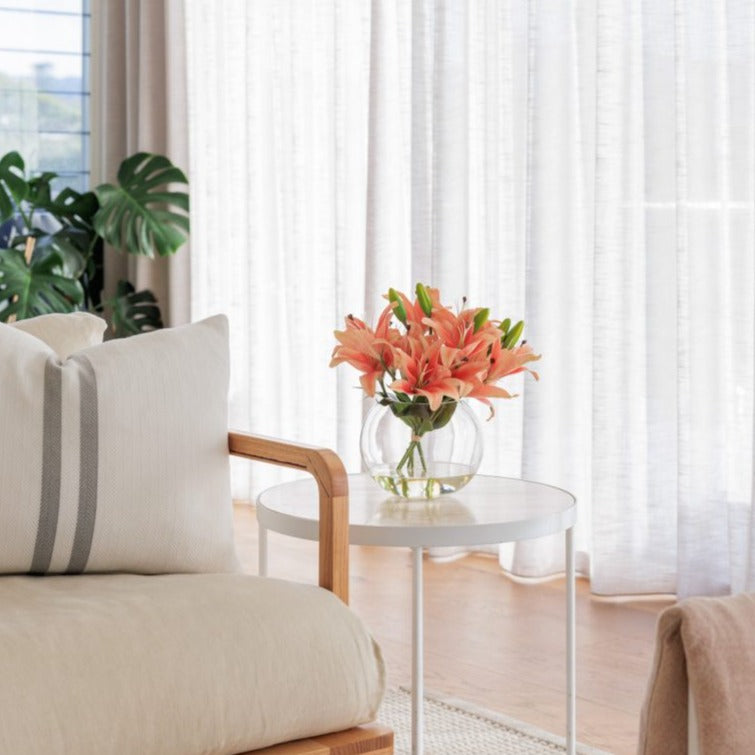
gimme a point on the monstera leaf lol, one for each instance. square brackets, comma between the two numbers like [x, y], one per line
[67, 243]
[134, 312]
[69, 207]
[139, 215]
[40, 189]
[145, 212]
[37, 288]
[13, 186]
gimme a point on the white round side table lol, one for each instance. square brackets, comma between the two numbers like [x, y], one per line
[488, 510]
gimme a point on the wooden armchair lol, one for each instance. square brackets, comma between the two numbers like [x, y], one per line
[332, 482]
[125, 625]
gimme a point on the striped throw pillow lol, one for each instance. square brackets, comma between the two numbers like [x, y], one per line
[65, 333]
[116, 459]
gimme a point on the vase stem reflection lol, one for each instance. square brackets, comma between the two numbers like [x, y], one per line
[413, 451]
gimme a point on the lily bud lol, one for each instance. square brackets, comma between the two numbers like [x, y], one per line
[398, 305]
[481, 318]
[424, 300]
[509, 342]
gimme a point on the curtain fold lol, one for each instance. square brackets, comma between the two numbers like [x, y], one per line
[139, 103]
[586, 166]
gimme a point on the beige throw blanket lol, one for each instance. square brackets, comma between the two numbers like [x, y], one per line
[708, 644]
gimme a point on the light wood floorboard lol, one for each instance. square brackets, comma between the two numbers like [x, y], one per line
[489, 640]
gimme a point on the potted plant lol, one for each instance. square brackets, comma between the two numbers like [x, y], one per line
[52, 245]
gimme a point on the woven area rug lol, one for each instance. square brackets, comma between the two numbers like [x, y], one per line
[455, 727]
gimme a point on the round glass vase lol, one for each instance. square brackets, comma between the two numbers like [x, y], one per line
[412, 451]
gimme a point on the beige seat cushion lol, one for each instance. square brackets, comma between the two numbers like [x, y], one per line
[223, 663]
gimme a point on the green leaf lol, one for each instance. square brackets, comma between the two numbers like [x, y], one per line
[415, 408]
[35, 289]
[418, 415]
[134, 217]
[13, 186]
[134, 312]
[69, 206]
[505, 325]
[66, 243]
[442, 416]
[40, 190]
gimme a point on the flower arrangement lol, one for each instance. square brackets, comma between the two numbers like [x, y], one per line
[433, 359]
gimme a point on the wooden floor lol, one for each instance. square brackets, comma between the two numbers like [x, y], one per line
[489, 640]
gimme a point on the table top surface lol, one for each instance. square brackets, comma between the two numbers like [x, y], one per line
[488, 510]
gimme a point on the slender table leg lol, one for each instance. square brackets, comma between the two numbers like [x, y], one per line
[262, 551]
[571, 687]
[418, 691]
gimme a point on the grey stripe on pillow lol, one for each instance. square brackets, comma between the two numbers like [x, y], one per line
[88, 451]
[51, 451]
[53, 432]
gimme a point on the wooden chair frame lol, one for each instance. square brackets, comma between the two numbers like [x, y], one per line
[332, 483]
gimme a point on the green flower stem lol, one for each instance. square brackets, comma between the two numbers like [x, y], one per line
[407, 454]
[408, 458]
[418, 416]
[393, 488]
[422, 457]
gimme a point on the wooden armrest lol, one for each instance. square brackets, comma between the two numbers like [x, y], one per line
[332, 482]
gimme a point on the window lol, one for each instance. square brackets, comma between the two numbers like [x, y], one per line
[44, 86]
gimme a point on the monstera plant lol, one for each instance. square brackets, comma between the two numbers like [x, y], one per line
[52, 245]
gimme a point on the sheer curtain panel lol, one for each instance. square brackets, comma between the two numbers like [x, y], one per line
[587, 166]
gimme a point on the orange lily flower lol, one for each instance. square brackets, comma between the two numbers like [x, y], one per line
[424, 373]
[440, 356]
[367, 351]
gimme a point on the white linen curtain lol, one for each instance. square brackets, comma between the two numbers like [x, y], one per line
[588, 166]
